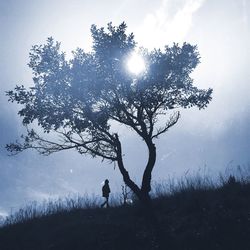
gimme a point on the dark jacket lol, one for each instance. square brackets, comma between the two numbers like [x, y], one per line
[105, 190]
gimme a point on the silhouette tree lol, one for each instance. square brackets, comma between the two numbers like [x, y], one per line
[80, 99]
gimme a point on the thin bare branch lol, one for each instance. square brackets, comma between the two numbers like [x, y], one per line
[171, 122]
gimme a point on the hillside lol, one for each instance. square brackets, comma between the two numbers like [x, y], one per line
[216, 218]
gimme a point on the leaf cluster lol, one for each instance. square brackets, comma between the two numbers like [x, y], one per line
[80, 98]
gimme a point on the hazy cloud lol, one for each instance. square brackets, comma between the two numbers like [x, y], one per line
[169, 23]
[212, 137]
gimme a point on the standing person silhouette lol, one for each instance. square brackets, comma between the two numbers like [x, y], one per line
[105, 193]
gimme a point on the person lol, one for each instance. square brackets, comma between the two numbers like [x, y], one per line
[105, 193]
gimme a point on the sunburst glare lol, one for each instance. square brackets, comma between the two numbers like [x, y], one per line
[136, 64]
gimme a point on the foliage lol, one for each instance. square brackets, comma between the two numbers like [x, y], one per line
[79, 99]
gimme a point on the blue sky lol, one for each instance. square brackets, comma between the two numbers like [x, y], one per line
[217, 137]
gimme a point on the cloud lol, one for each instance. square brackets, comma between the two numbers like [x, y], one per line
[34, 194]
[169, 23]
[245, 16]
[3, 214]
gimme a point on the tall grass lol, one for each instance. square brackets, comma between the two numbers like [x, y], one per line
[50, 207]
[199, 181]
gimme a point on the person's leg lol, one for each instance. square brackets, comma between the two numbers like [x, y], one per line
[103, 204]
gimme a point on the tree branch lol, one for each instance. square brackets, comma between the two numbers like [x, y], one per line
[171, 122]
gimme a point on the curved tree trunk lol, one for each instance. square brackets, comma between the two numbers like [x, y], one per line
[124, 172]
[146, 179]
[143, 192]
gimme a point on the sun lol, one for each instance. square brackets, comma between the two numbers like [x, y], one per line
[136, 64]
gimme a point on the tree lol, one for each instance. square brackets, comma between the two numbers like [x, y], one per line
[80, 99]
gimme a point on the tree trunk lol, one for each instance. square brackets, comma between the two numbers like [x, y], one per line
[124, 172]
[146, 180]
[143, 192]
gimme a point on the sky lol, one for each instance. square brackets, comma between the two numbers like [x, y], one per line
[215, 139]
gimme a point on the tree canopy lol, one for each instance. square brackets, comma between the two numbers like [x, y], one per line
[78, 99]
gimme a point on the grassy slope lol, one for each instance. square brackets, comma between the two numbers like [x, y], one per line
[190, 219]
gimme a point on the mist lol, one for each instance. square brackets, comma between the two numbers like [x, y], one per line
[214, 138]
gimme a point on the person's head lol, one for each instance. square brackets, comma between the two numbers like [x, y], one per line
[106, 181]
